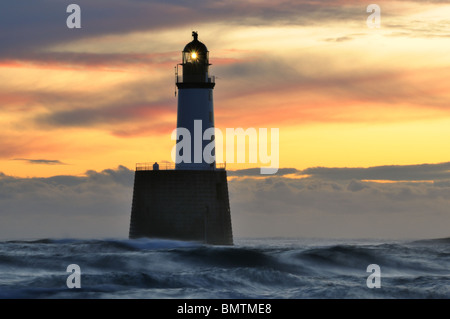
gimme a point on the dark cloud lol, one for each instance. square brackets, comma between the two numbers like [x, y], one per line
[42, 23]
[94, 205]
[422, 172]
[88, 117]
[124, 110]
[257, 172]
[40, 161]
[135, 101]
[126, 120]
[365, 85]
[32, 28]
[99, 61]
[349, 209]
[98, 205]
[356, 186]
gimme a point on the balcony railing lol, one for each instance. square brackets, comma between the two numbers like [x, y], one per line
[210, 79]
[170, 166]
[149, 166]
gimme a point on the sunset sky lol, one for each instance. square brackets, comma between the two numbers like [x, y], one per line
[80, 103]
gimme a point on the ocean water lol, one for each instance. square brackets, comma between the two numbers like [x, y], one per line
[273, 268]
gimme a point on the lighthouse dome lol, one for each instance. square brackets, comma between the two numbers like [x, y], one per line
[195, 45]
[195, 62]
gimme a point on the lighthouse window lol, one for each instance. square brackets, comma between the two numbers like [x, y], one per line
[210, 117]
[210, 95]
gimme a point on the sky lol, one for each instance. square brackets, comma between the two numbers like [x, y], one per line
[363, 113]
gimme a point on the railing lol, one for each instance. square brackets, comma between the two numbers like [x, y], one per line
[170, 166]
[179, 79]
[149, 166]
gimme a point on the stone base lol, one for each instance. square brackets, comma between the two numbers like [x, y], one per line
[183, 205]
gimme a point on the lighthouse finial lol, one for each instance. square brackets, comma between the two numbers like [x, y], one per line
[195, 35]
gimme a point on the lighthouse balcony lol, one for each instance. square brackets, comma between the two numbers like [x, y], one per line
[194, 78]
[170, 166]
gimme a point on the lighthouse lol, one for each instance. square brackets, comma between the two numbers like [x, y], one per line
[195, 114]
[189, 201]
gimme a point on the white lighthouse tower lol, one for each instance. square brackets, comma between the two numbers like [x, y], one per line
[195, 109]
[190, 202]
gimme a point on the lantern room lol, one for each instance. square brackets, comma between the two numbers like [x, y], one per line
[195, 62]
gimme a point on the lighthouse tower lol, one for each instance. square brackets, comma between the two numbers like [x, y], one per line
[191, 201]
[195, 108]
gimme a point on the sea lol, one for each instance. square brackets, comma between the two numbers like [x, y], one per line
[263, 268]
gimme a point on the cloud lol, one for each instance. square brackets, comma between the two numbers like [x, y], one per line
[422, 172]
[95, 116]
[123, 108]
[421, 26]
[407, 173]
[40, 161]
[91, 61]
[19, 145]
[138, 107]
[94, 205]
[98, 205]
[126, 109]
[346, 209]
[139, 118]
[326, 94]
[42, 23]
[339, 39]
[257, 172]
[356, 186]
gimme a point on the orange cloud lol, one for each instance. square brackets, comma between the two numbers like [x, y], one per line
[113, 62]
